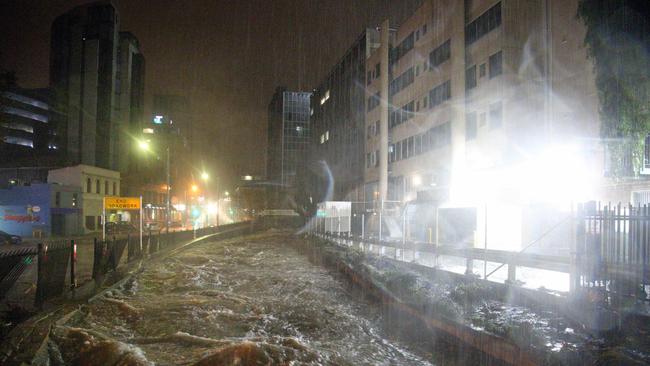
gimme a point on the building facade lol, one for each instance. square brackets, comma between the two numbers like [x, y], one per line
[41, 210]
[28, 133]
[288, 136]
[95, 183]
[129, 103]
[83, 69]
[337, 123]
[476, 87]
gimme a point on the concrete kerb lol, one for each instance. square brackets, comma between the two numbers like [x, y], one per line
[12, 350]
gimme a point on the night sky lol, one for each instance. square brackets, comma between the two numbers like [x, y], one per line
[226, 56]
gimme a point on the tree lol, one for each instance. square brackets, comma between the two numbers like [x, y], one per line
[618, 42]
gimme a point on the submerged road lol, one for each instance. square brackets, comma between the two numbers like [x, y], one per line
[253, 300]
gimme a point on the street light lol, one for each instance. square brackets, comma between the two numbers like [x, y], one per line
[194, 188]
[205, 176]
[145, 146]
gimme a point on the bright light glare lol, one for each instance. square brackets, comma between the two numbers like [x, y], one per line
[205, 176]
[194, 188]
[143, 145]
[417, 180]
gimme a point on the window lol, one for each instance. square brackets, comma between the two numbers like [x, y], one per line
[376, 158]
[377, 70]
[57, 199]
[322, 138]
[440, 55]
[115, 189]
[496, 64]
[496, 115]
[417, 35]
[440, 94]
[97, 186]
[411, 147]
[481, 72]
[327, 135]
[325, 97]
[398, 151]
[401, 82]
[400, 115]
[106, 187]
[373, 101]
[470, 78]
[424, 29]
[417, 106]
[369, 78]
[368, 132]
[417, 70]
[99, 222]
[646, 153]
[377, 128]
[391, 153]
[88, 185]
[74, 199]
[470, 126]
[483, 25]
[405, 150]
[402, 49]
[418, 144]
[424, 102]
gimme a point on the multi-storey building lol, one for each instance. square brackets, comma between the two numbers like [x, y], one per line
[475, 87]
[337, 122]
[83, 76]
[288, 136]
[28, 133]
[129, 104]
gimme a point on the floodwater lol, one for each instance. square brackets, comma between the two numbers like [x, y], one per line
[253, 300]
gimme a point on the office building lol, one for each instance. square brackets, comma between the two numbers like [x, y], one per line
[129, 104]
[83, 70]
[337, 123]
[473, 89]
[28, 130]
[288, 136]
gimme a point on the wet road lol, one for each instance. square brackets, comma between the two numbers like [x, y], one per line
[253, 299]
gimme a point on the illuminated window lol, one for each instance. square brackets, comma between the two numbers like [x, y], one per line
[325, 97]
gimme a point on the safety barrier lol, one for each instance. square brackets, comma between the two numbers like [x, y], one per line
[56, 262]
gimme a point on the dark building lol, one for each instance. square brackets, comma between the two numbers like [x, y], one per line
[28, 134]
[83, 79]
[288, 135]
[129, 102]
[338, 121]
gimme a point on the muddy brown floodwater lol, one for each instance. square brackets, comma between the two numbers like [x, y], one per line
[253, 300]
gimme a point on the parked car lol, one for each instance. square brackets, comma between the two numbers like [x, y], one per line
[119, 227]
[153, 226]
[6, 238]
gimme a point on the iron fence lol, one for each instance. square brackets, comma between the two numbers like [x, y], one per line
[612, 249]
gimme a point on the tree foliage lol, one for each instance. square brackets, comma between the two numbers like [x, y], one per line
[618, 42]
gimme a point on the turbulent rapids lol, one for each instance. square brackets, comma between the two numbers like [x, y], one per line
[247, 301]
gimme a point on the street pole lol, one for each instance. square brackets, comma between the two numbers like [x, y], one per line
[169, 210]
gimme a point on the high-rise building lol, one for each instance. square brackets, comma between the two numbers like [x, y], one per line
[337, 122]
[83, 70]
[288, 136]
[129, 103]
[28, 134]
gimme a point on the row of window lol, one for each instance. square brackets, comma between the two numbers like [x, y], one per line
[483, 25]
[401, 82]
[98, 187]
[434, 138]
[439, 55]
[403, 48]
[472, 123]
[496, 69]
[401, 115]
[373, 101]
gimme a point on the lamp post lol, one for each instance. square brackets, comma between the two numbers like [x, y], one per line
[144, 146]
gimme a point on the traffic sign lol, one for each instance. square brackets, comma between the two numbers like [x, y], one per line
[122, 203]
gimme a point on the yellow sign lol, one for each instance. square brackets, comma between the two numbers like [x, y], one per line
[122, 203]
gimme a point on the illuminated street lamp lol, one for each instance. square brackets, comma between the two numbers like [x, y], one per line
[145, 146]
[205, 176]
[194, 188]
